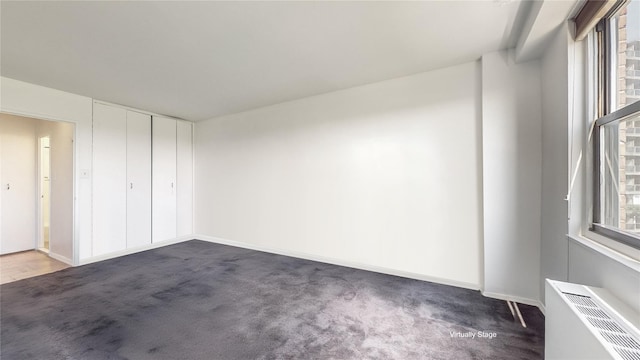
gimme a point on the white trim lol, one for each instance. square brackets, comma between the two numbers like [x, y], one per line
[45, 103]
[75, 123]
[39, 230]
[95, 101]
[39, 194]
[516, 299]
[322, 259]
[77, 177]
[333, 261]
[64, 259]
[193, 177]
[75, 241]
[124, 252]
[605, 251]
[34, 115]
[78, 261]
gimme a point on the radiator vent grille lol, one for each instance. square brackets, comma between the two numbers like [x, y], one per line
[581, 300]
[628, 354]
[608, 325]
[622, 342]
[592, 312]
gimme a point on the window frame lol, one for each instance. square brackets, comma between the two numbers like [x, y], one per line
[604, 40]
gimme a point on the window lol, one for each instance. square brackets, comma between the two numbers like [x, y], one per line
[617, 130]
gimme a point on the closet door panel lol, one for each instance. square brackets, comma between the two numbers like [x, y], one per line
[138, 179]
[164, 179]
[185, 178]
[109, 179]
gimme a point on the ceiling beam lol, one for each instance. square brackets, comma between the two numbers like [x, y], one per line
[544, 18]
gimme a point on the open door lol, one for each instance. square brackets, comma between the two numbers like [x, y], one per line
[44, 179]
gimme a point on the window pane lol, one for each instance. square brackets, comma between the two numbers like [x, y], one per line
[620, 169]
[627, 79]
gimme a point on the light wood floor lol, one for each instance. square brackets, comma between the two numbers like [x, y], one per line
[27, 264]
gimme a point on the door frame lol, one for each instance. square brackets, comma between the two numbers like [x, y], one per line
[40, 217]
[74, 226]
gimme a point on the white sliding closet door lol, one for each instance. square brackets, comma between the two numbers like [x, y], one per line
[185, 178]
[109, 179]
[138, 179]
[164, 179]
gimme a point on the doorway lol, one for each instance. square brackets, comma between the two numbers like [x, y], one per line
[44, 159]
[37, 186]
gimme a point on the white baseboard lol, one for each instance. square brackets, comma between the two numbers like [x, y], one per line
[542, 308]
[318, 258]
[518, 299]
[340, 262]
[116, 254]
[61, 258]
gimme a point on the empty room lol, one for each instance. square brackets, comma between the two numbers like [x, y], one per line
[320, 179]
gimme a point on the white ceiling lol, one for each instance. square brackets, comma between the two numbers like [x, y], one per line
[198, 60]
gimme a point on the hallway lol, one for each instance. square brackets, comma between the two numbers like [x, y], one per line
[27, 264]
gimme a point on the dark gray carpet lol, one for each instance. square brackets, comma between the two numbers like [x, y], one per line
[197, 300]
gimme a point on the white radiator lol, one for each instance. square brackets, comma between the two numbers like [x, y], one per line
[583, 322]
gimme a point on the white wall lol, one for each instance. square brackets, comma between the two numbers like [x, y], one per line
[589, 266]
[511, 139]
[385, 175]
[20, 98]
[555, 160]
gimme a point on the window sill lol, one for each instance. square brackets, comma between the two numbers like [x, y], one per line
[622, 254]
